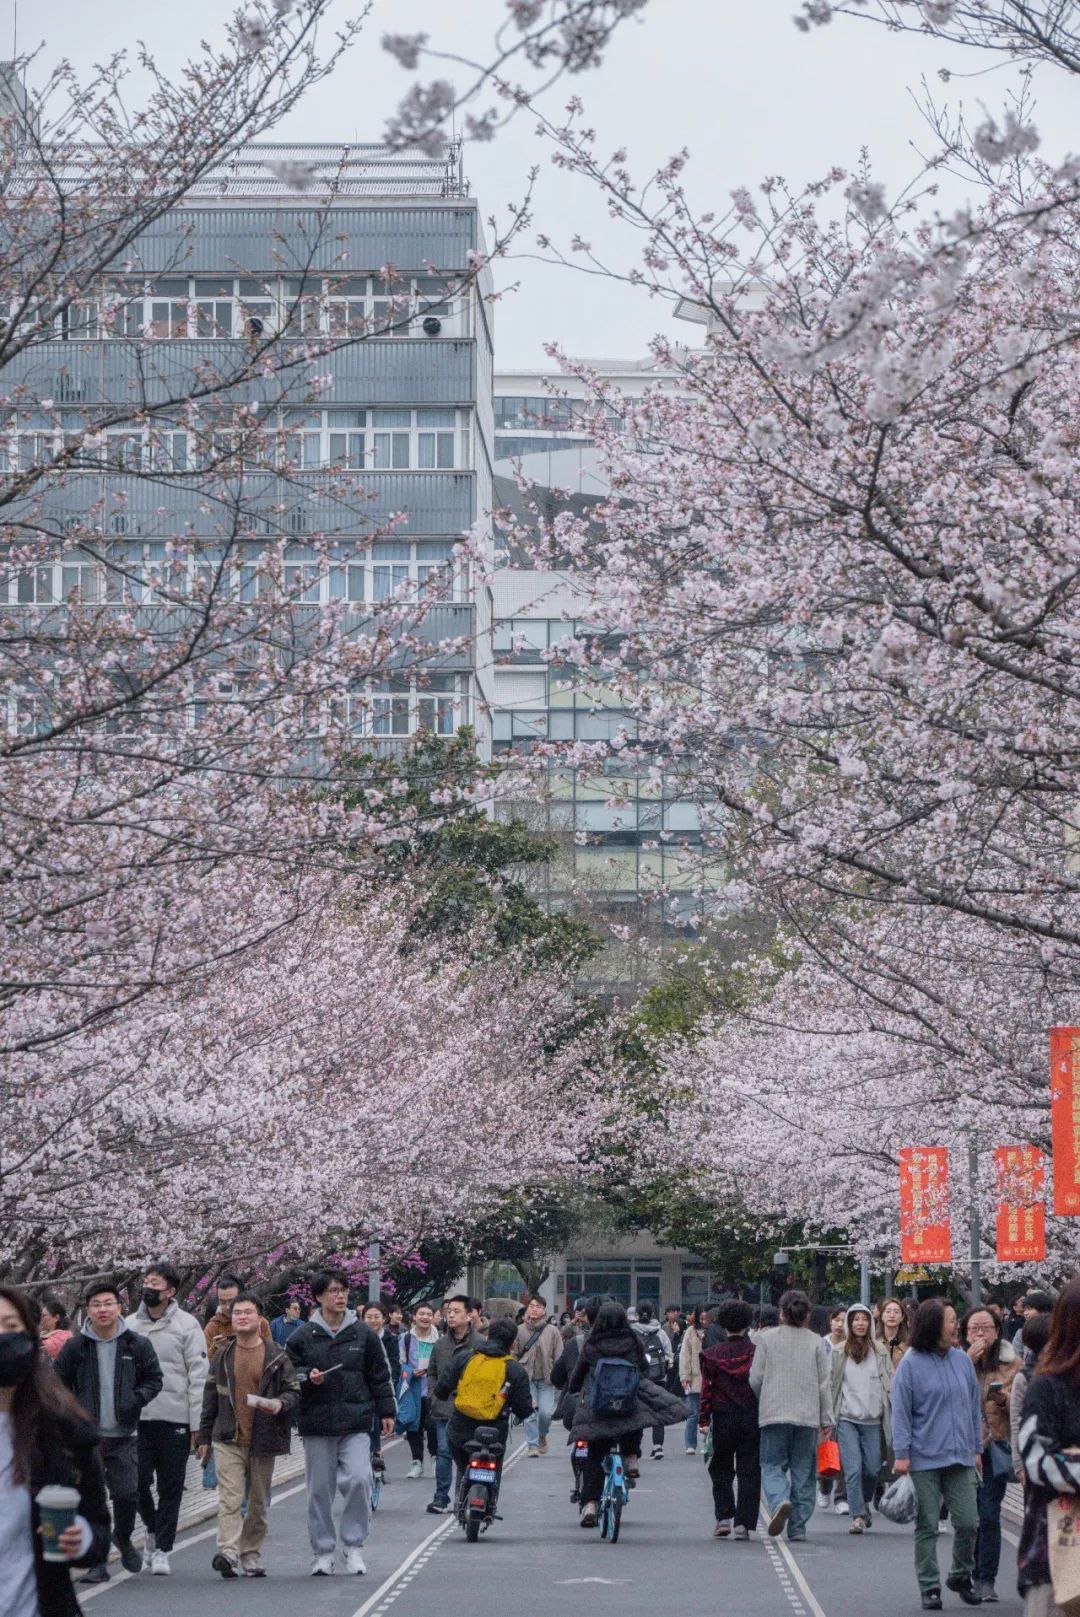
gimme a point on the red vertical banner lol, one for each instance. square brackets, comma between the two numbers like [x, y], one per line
[924, 1204]
[1021, 1214]
[1065, 1118]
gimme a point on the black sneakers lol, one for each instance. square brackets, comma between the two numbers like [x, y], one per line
[964, 1586]
[931, 1600]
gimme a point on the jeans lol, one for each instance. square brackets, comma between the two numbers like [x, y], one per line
[956, 1486]
[538, 1424]
[163, 1449]
[989, 1498]
[693, 1401]
[242, 1476]
[444, 1462]
[860, 1456]
[338, 1465]
[736, 1458]
[789, 1470]
[120, 1456]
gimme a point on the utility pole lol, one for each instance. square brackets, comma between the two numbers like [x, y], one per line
[864, 1281]
[973, 1218]
[374, 1277]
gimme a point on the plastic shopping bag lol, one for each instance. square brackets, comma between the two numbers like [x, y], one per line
[209, 1471]
[828, 1458]
[898, 1502]
[1063, 1536]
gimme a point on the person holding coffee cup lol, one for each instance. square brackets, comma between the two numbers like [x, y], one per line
[53, 1509]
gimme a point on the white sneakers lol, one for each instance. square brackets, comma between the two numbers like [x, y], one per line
[842, 1508]
[354, 1561]
[322, 1566]
[159, 1564]
[415, 1470]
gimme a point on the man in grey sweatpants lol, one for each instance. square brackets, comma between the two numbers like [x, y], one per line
[344, 1386]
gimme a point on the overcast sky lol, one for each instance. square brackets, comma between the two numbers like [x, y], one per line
[733, 80]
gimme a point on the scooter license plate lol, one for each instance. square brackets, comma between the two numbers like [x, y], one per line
[581, 1451]
[478, 1474]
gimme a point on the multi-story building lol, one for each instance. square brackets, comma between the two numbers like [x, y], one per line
[373, 245]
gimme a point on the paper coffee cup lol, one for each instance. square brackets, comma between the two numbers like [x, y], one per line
[57, 1507]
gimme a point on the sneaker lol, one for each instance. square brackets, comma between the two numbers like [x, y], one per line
[439, 1507]
[657, 1452]
[588, 1516]
[988, 1592]
[722, 1529]
[796, 1538]
[856, 1525]
[931, 1600]
[148, 1553]
[354, 1560]
[842, 1508]
[742, 1533]
[543, 1445]
[322, 1566]
[963, 1584]
[130, 1558]
[779, 1517]
[690, 1451]
[95, 1574]
[225, 1565]
[533, 1452]
[251, 1566]
[378, 1463]
[159, 1565]
[415, 1470]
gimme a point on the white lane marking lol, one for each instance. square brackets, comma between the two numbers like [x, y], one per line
[779, 1554]
[392, 1586]
[196, 1538]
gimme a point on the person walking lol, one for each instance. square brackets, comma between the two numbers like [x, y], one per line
[613, 1337]
[938, 1439]
[169, 1422]
[860, 1379]
[996, 1364]
[451, 1381]
[344, 1381]
[55, 1325]
[46, 1440]
[835, 1336]
[1033, 1302]
[689, 1367]
[730, 1406]
[1049, 1447]
[114, 1373]
[248, 1397]
[536, 1347]
[219, 1326]
[659, 1361]
[417, 1346]
[460, 1337]
[287, 1322]
[375, 1319]
[790, 1375]
[1034, 1337]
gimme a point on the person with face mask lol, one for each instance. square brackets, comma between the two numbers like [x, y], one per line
[168, 1421]
[45, 1440]
[114, 1374]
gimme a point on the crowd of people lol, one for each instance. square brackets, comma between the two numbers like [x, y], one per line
[114, 1405]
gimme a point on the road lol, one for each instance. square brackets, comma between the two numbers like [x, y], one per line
[666, 1555]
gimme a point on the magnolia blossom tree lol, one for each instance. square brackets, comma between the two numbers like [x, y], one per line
[332, 1080]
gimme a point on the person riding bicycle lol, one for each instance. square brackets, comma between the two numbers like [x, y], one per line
[647, 1403]
[479, 1388]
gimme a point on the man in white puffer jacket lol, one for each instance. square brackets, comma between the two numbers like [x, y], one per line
[169, 1420]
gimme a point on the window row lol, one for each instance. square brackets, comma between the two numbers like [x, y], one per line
[309, 306]
[540, 413]
[137, 573]
[288, 440]
[517, 730]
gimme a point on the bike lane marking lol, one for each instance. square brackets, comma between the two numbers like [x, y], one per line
[418, 1557]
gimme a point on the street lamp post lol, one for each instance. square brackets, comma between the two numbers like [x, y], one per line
[974, 1220]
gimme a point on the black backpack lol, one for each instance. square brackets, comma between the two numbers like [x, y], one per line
[655, 1357]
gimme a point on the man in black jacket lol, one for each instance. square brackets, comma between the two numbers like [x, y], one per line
[113, 1373]
[344, 1383]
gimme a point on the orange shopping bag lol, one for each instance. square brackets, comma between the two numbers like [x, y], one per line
[828, 1457]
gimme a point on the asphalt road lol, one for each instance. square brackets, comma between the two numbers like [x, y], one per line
[538, 1555]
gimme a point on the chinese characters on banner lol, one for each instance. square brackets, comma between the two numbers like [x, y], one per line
[924, 1204]
[1021, 1216]
[1065, 1118]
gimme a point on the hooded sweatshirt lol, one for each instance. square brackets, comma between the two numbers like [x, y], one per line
[112, 1378]
[725, 1377]
[652, 1335]
[179, 1343]
[106, 1371]
[936, 1410]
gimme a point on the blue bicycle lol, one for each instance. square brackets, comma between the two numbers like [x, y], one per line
[615, 1495]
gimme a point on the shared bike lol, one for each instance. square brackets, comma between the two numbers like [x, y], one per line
[615, 1495]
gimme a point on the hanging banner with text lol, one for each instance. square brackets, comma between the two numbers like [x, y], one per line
[1065, 1119]
[1021, 1215]
[924, 1204]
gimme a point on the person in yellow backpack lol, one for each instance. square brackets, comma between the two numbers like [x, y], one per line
[485, 1386]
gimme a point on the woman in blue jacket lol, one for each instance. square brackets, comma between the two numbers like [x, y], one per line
[937, 1437]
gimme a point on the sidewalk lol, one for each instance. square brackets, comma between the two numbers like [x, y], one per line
[201, 1503]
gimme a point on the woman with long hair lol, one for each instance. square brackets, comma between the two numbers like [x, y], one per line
[996, 1363]
[937, 1437]
[861, 1379]
[45, 1438]
[55, 1325]
[893, 1333]
[1049, 1442]
[690, 1374]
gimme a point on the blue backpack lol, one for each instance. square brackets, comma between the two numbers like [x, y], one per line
[614, 1387]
